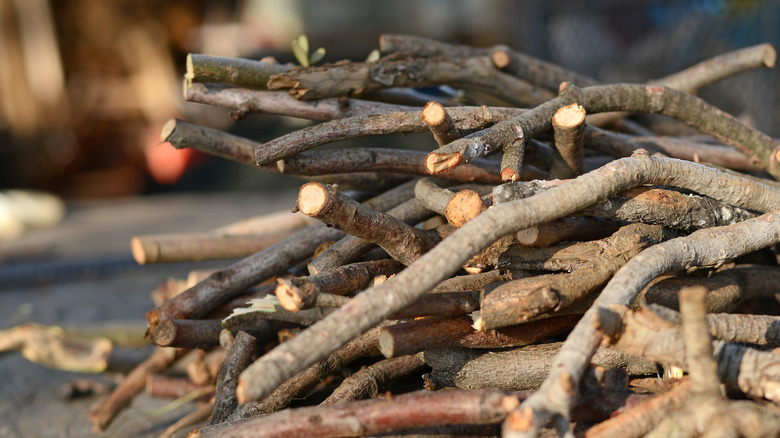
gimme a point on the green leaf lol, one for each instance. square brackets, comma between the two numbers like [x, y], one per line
[300, 53]
[317, 56]
[303, 41]
[373, 56]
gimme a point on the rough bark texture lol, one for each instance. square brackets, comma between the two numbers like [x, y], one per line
[241, 353]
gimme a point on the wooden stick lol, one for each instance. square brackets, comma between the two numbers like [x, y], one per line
[367, 382]
[535, 71]
[403, 242]
[244, 101]
[581, 228]
[466, 368]
[568, 123]
[105, 410]
[348, 78]
[242, 352]
[363, 346]
[231, 71]
[160, 386]
[302, 292]
[390, 160]
[416, 409]
[441, 124]
[179, 247]
[201, 333]
[428, 333]
[702, 369]
[512, 156]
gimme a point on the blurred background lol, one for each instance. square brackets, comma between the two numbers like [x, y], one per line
[85, 85]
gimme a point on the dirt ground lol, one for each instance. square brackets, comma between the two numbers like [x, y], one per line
[80, 274]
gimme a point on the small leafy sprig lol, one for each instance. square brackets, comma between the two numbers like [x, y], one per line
[300, 48]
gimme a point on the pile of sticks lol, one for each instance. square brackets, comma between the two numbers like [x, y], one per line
[605, 273]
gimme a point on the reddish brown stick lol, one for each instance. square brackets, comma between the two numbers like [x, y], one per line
[105, 410]
[424, 334]
[440, 123]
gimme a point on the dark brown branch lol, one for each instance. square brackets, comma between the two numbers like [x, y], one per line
[105, 410]
[160, 386]
[375, 304]
[244, 101]
[581, 228]
[201, 333]
[301, 293]
[640, 98]
[403, 242]
[440, 304]
[428, 333]
[231, 71]
[242, 352]
[568, 124]
[368, 382]
[440, 123]
[347, 78]
[389, 160]
[466, 118]
[416, 409]
[413, 45]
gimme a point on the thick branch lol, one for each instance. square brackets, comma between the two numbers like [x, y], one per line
[301, 292]
[428, 333]
[243, 101]
[416, 409]
[347, 78]
[231, 71]
[242, 352]
[403, 242]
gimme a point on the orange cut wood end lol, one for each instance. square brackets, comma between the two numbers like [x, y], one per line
[312, 198]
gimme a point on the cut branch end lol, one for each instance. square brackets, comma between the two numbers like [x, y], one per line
[569, 116]
[312, 198]
[168, 129]
[436, 162]
[500, 58]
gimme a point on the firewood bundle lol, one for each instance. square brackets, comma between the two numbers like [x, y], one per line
[562, 256]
